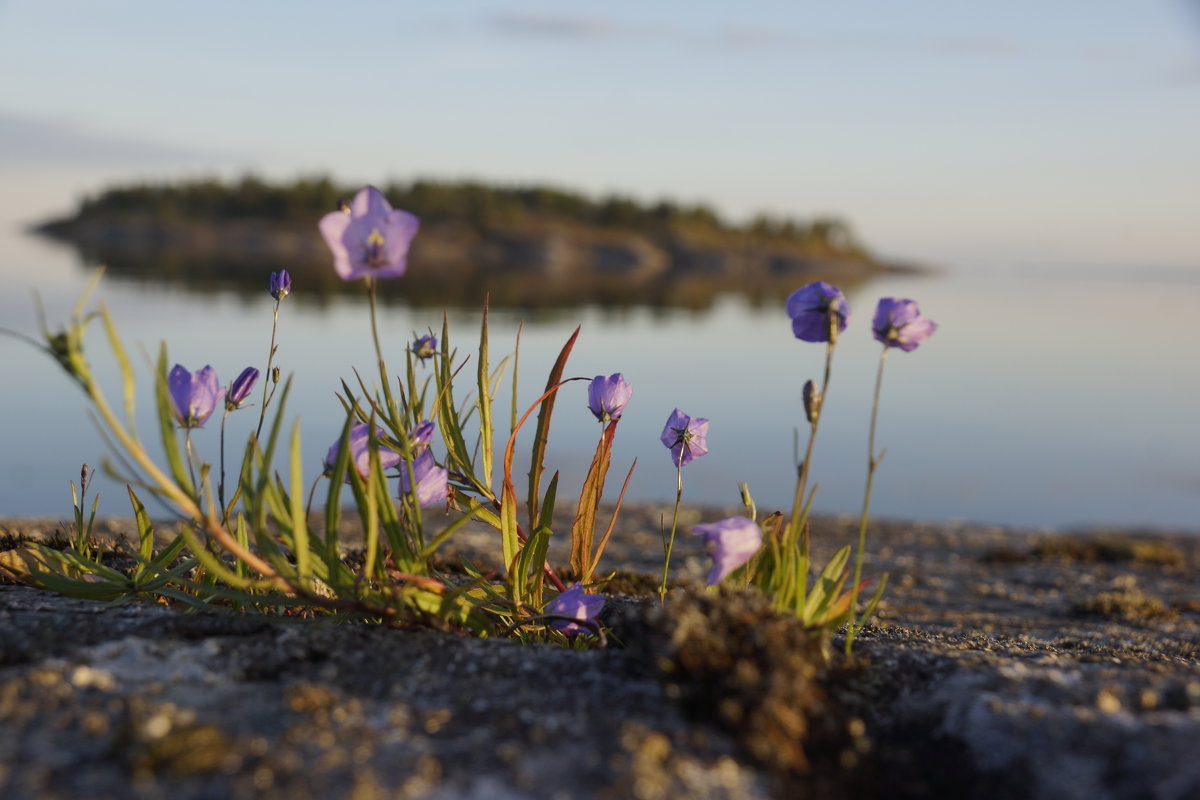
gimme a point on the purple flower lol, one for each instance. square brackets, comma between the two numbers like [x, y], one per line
[607, 397]
[687, 437]
[360, 452]
[731, 542]
[195, 395]
[898, 323]
[239, 390]
[574, 603]
[425, 347]
[371, 239]
[420, 436]
[281, 284]
[432, 481]
[814, 309]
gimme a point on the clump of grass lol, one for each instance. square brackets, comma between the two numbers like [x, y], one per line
[1128, 604]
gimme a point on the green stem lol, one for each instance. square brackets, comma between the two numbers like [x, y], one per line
[262, 412]
[797, 522]
[187, 444]
[389, 402]
[872, 463]
[670, 543]
[221, 479]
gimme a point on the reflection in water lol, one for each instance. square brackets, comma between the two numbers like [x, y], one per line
[464, 285]
[549, 270]
[1023, 410]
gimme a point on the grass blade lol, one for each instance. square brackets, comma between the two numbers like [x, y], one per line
[584, 528]
[542, 436]
[166, 422]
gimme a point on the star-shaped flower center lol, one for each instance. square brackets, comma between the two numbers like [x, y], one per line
[374, 254]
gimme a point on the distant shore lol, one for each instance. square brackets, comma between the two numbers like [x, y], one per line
[534, 246]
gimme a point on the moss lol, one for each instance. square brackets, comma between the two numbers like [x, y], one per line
[1124, 604]
[185, 750]
[634, 584]
[728, 656]
[1109, 548]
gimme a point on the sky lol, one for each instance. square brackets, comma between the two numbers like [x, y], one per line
[1023, 131]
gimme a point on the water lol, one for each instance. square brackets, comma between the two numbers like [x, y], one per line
[1048, 397]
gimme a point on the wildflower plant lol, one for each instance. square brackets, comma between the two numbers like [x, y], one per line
[687, 439]
[774, 555]
[419, 458]
[416, 457]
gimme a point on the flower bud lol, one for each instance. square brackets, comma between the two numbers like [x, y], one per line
[239, 390]
[812, 402]
[275, 375]
[281, 284]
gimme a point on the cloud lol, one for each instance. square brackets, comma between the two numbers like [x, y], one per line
[742, 37]
[27, 141]
[971, 45]
[556, 26]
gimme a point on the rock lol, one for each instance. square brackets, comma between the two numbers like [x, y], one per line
[980, 678]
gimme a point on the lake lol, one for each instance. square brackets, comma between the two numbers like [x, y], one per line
[1051, 395]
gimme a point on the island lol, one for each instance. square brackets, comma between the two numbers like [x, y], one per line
[524, 245]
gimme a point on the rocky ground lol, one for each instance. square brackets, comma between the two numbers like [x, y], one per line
[1002, 664]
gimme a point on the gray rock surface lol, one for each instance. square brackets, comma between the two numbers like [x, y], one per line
[1003, 664]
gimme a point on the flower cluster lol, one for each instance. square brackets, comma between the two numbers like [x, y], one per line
[391, 429]
[431, 480]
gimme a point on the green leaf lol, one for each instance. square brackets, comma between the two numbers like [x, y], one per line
[824, 591]
[485, 400]
[145, 529]
[449, 420]
[333, 498]
[531, 563]
[546, 520]
[542, 435]
[299, 519]
[509, 541]
[127, 381]
[166, 423]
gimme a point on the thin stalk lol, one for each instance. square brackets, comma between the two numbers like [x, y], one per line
[796, 522]
[267, 382]
[187, 445]
[372, 296]
[221, 478]
[872, 463]
[670, 542]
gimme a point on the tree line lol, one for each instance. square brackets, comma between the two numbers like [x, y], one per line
[486, 207]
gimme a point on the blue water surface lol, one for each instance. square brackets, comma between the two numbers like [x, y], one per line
[1050, 395]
